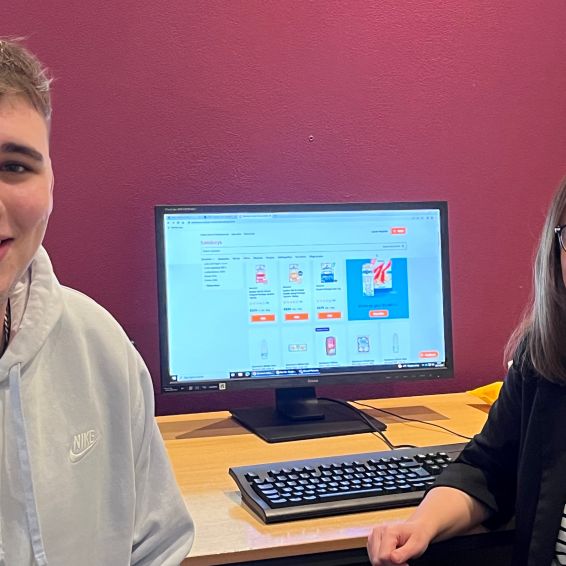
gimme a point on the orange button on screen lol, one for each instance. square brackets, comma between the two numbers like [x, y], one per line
[297, 316]
[329, 314]
[428, 354]
[263, 317]
[381, 313]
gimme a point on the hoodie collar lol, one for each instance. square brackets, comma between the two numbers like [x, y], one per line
[42, 311]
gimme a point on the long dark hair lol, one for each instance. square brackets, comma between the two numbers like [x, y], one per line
[540, 338]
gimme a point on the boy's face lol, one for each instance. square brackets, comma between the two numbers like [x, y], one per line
[26, 188]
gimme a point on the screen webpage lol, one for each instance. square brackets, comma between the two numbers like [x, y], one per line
[256, 295]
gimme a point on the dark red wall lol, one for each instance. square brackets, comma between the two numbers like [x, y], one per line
[217, 101]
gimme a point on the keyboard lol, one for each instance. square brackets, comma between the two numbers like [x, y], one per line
[301, 489]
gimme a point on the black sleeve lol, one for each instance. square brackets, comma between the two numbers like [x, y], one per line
[487, 467]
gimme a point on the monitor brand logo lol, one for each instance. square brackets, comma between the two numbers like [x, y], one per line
[82, 444]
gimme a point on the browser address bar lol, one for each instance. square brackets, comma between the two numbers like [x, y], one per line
[333, 248]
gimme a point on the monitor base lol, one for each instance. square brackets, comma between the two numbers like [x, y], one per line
[268, 423]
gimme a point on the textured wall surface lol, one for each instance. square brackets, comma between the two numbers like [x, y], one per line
[217, 101]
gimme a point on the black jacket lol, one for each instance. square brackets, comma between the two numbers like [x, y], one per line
[516, 466]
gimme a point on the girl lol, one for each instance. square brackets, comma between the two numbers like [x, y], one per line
[516, 466]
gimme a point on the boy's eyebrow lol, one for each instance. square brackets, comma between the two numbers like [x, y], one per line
[10, 147]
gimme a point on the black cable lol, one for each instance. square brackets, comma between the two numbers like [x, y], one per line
[363, 417]
[412, 420]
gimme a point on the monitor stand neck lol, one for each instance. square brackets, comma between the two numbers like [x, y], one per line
[298, 404]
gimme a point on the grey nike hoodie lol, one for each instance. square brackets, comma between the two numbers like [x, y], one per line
[84, 476]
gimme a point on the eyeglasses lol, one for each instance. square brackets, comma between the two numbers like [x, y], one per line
[558, 231]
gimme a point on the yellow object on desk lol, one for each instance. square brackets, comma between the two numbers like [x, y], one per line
[488, 393]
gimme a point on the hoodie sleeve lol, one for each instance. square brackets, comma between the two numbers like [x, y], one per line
[163, 529]
[487, 467]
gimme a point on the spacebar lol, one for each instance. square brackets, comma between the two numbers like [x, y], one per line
[353, 494]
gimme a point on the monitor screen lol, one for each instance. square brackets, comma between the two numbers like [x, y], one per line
[299, 296]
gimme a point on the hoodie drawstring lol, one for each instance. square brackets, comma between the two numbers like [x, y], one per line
[2, 448]
[25, 468]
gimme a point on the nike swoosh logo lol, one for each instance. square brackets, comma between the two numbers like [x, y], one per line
[86, 442]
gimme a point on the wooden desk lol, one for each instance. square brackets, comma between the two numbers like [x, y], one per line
[203, 446]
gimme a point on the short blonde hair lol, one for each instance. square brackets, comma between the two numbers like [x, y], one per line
[22, 74]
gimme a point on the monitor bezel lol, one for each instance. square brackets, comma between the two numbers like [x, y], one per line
[322, 380]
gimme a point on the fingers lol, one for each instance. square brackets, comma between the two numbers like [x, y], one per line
[383, 540]
[395, 543]
[414, 546]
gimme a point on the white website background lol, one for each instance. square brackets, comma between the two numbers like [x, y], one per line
[256, 293]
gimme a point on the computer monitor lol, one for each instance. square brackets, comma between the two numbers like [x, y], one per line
[292, 297]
